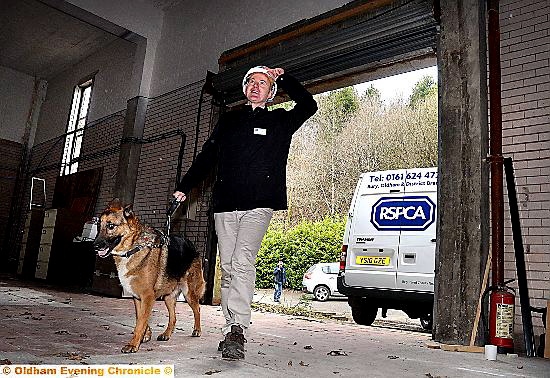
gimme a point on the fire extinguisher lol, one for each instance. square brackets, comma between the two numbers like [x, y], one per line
[501, 317]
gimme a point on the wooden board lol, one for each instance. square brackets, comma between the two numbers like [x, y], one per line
[105, 278]
[78, 191]
[463, 348]
[480, 300]
[547, 334]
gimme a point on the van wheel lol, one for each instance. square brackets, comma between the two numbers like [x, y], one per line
[427, 322]
[321, 293]
[364, 315]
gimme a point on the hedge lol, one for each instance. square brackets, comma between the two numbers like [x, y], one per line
[299, 247]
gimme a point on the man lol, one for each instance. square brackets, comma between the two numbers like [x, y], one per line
[250, 148]
[280, 279]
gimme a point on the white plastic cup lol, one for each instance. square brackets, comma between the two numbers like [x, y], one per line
[491, 352]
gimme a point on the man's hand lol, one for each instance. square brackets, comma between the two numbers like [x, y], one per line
[275, 72]
[179, 196]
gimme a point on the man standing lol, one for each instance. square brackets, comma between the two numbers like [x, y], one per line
[280, 279]
[250, 148]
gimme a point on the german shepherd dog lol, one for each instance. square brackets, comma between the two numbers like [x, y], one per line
[150, 267]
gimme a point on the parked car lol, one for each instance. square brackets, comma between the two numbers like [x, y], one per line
[320, 279]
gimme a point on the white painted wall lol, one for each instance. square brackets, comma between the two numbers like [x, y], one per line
[196, 32]
[112, 88]
[15, 103]
[186, 37]
[140, 17]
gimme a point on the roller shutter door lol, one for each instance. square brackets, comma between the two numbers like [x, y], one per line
[357, 37]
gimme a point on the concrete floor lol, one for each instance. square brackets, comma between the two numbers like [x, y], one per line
[42, 325]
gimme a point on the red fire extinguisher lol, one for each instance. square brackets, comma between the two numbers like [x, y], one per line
[501, 318]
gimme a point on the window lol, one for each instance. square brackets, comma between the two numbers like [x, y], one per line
[75, 127]
[335, 269]
[331, 269]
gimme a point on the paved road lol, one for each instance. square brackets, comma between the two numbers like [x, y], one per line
[337, 305]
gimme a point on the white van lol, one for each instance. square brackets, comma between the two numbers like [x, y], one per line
[388, 252]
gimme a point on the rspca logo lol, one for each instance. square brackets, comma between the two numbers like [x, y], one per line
[411, 213]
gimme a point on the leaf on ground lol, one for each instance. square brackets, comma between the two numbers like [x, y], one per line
[337, 353]
[302, 363]
[62, 332]
[74, 356]
[295, 310]
[210, 372]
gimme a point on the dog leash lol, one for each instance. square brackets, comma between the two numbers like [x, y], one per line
[174, 204]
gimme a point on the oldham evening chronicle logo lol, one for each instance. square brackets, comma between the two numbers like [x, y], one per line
[412, 213]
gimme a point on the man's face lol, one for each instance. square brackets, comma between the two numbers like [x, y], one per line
[258, 88]
[280, 264]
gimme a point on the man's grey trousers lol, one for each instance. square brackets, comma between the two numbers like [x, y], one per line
[240, 235]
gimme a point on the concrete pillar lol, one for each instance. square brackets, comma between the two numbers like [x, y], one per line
[463, 220]
[130, 150]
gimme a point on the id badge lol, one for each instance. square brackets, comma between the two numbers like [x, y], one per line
[259, 131]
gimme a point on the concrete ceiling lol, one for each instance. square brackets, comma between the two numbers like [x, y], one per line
[43, 41]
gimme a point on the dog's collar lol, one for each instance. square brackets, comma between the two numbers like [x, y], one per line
[128, 253]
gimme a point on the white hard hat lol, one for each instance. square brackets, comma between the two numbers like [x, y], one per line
[261, 69]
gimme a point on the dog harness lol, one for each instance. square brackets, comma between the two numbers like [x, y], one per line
[150, 238]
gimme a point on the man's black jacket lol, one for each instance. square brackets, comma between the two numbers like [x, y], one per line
[250, 148]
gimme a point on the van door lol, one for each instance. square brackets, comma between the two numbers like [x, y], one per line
[372, 256]
[416, 263]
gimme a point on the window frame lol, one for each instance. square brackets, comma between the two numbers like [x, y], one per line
[76, 123]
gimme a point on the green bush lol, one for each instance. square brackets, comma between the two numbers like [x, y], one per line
[299, 247]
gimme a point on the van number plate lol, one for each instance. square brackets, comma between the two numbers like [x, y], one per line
[372, 260]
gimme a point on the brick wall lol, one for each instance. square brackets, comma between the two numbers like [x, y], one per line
[100, 148]
[11, 153]
[157, 168]
[525, 57]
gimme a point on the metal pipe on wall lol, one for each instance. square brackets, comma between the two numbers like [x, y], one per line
[495, 148]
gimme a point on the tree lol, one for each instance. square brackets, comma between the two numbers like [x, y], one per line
[287, 105]
[335, 109]
[371, 94]
[323, 168]
[423, 89]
